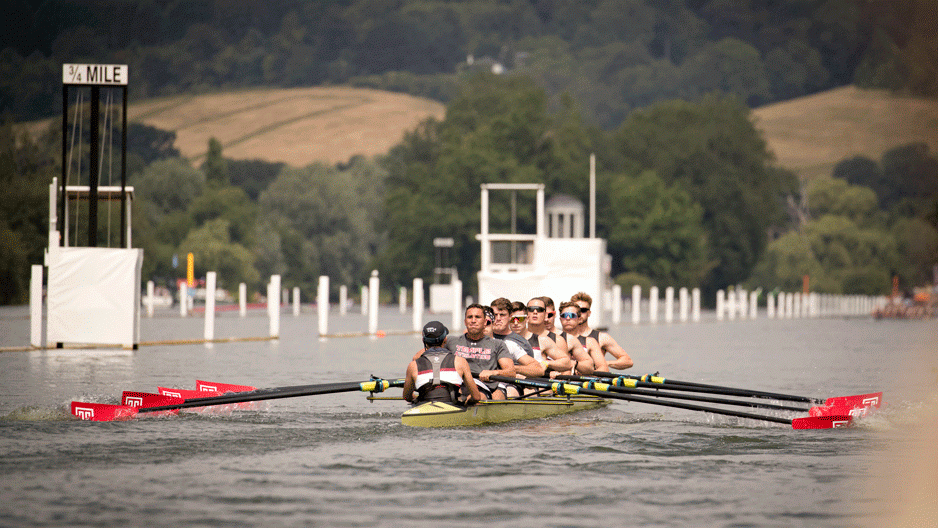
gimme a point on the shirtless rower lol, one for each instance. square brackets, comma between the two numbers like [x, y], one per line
[545, 349]
[607, 344]
[438, 374]
[486, 356]
[585, 348]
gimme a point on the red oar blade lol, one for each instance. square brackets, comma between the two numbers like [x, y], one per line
[102, 412]
[145, 399]
[872, 400]
[222, 387]
[855, 406]
[185, 393]
[821, 422]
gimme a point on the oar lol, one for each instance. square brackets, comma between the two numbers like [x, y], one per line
[660, 393]
[105, 412]
[837, 404]
[602, 389]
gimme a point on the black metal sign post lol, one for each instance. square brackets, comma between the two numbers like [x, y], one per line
[96, 76]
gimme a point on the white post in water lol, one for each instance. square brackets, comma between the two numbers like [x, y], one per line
[373, 285]
[754, 305]
[695, 305]
[418, 304]
[364, 300]
[183, 298]
[402, 299]
[616, 304]
[721, 304]
[683, 301]
[743, 306]
[296, 301]
[669, 304]
[273, 305]
[210, 278]
[35, 306]
[653, 305]
[789, 305]
[795, 305]
[731, 305]
[322, 304]
[243, 299]
[343, 299]
[636, 304]
[457, 307]
[151, 292]
[769, 305]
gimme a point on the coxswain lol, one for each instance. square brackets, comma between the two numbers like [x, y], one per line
[607, 344]
[438, 375]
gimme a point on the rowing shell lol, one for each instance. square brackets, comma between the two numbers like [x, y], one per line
[439, 414]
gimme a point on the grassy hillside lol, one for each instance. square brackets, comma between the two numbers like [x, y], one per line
[809, 135]
[295, 126]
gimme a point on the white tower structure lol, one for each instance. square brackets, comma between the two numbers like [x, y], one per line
[555, 260]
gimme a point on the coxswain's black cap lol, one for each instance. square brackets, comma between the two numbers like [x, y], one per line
[434, 333]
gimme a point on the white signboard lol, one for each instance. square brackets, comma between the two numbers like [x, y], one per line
[95, 74]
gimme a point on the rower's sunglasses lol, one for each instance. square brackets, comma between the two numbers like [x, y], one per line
[569, 315]
[537, 309]
[518, 319]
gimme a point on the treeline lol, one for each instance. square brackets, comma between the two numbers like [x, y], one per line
[688, 196]
[611, 55]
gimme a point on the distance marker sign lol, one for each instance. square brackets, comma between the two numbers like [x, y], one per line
[95, 74]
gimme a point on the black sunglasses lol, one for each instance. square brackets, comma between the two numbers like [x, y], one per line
[537, 309]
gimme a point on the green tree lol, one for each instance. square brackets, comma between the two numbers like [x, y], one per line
[213, 250]
[655, 230]
[215, 166]
[712, 150]
[25, 174]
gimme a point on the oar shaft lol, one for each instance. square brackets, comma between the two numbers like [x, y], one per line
[662, 393]
[564, 388]
[280, 392]
[710, 389]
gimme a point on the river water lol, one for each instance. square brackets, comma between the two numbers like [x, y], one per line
[340, 460]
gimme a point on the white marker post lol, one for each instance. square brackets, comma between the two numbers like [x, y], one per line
[418, 305]
[35, 306]
[684, 301]
[151, 292]
[243, 299]
[721, 304]
[296, 301]
[373, 285]
[322, 304]
[343, 299]
[273, 305]
[210, 278]
[653, 305]
[402, 299]
[616, 304]
[636, 304]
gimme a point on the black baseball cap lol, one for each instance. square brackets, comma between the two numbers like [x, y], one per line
[434, 333]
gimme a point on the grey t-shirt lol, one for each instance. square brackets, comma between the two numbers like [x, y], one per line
[481, 355]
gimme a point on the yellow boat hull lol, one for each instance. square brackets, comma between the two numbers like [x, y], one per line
[438, 414]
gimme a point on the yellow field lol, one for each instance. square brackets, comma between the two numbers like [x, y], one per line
[296, 126]
[809, 135]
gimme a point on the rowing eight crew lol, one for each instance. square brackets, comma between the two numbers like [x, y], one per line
[508, 339]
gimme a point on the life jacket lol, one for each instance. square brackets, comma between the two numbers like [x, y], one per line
[437, 379]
